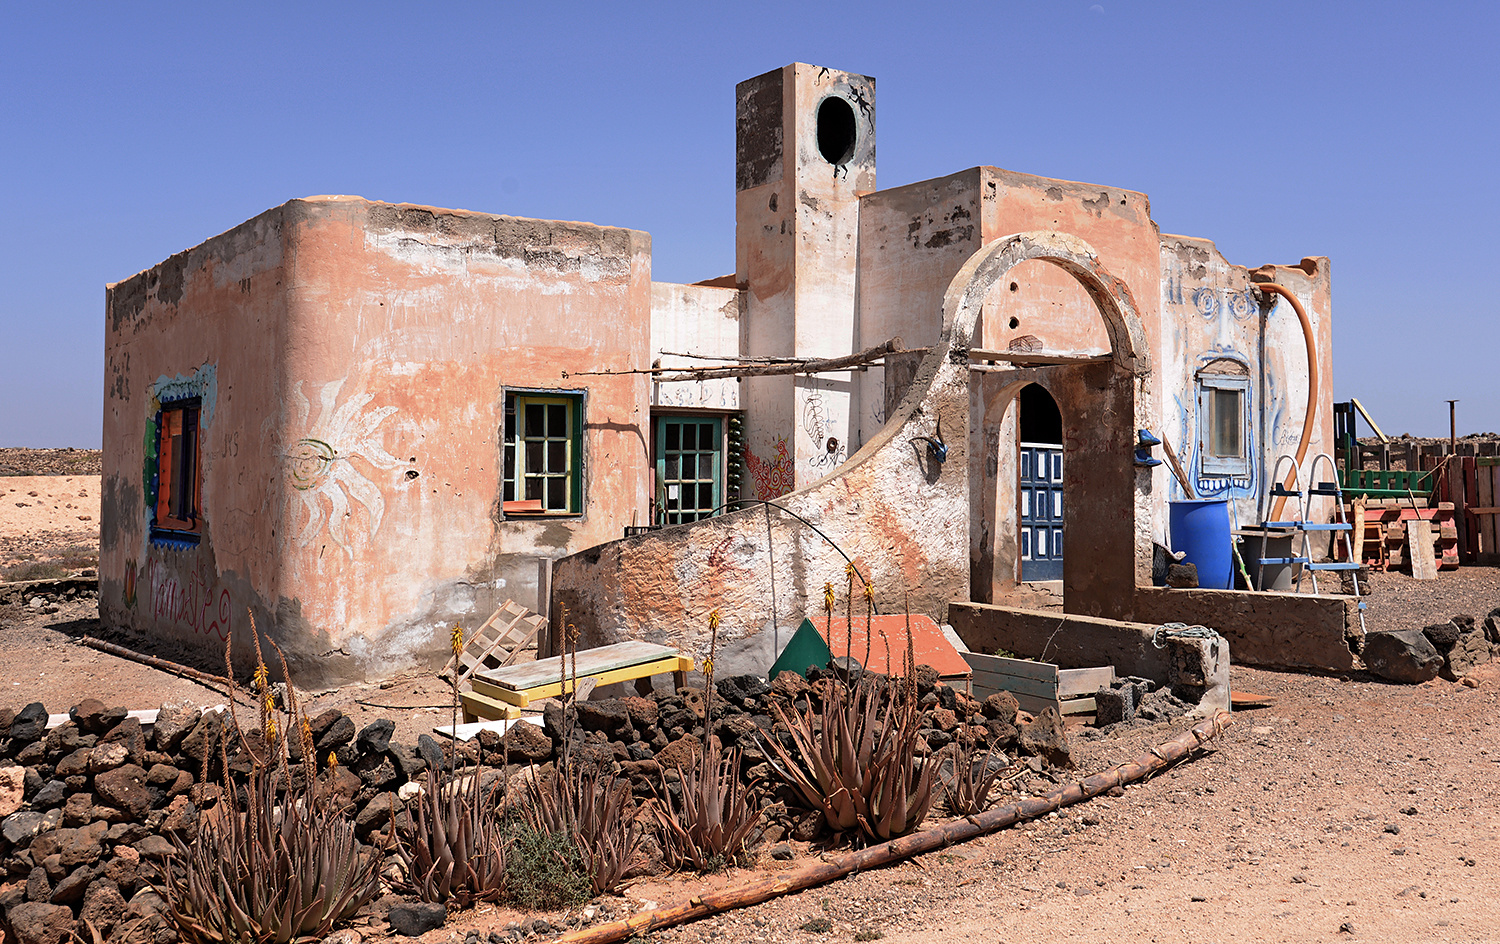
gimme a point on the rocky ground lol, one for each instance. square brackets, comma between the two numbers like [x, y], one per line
[1341, 809]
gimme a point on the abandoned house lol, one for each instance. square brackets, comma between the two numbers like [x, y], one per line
[365, 422]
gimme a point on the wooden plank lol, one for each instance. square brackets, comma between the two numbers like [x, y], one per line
[1077, 706]
[146, 716]
[477, 706]
[1021, 668]
[1419, 547]
[625, 673]
[1026, 702]
[1075, 682]
[1015, 684]
[589, 662]
[1455, 479]
[1357, 551]
[1488, 478]
[1468, 525]
[470, 729]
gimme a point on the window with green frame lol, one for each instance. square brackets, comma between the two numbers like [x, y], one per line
[543, 453]
[689, 467]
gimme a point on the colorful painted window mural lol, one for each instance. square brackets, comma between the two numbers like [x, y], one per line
[543, 454]
[1223, 408]
[177, 469]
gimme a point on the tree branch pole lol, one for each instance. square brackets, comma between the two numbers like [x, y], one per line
[807, 366]
[215, 682]
[887, 853]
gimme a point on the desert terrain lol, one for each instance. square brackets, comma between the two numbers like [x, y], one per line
[1345, 809]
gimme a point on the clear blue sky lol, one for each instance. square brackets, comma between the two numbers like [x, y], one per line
[1364, 131]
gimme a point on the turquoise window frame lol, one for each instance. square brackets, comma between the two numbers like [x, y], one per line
[671, 458]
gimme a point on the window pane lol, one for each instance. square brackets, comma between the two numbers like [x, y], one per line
[706, 495]
[534, 417]
[557, 421]
[557, 456]
[557, 493]
[690, 436]
[671, 464]
[534, 456]
[706, 436]
[1225, 440]
[672, 437]
[706, 465]
[533, 488]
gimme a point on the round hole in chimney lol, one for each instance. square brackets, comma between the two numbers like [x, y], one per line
[837, 130]
[1015, 322]
[1014, 286]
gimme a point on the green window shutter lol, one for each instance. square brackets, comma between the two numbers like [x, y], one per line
[689, 467]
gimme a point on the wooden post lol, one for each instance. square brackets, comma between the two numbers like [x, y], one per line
[1468, 522]
[1420, 550]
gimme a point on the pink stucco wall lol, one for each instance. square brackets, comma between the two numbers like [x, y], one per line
[352, 491]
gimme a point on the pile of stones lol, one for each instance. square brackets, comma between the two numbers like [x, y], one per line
[1450, 650]
[89, 808]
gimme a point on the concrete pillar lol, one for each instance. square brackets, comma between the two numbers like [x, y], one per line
[805, 151]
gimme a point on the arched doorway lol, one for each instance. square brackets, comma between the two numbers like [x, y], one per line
[1039, 485]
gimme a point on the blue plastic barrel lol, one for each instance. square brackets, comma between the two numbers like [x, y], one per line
[1201, 530]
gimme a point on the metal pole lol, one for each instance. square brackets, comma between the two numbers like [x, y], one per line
[1452, 428]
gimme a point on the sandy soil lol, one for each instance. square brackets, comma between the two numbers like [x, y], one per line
[49, 525]
[1346, 810]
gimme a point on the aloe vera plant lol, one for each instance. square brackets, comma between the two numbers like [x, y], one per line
[282, 873]
[857, 760]
[594, 810]
[716, 816]
[456, 846]
[974, 775]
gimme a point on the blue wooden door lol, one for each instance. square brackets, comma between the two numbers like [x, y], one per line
[1041, 493]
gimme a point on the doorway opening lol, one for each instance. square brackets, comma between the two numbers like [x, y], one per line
[1039, 485]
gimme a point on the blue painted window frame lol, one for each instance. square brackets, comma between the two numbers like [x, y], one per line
[183, 524]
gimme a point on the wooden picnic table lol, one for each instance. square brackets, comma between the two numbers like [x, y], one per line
[516, 686]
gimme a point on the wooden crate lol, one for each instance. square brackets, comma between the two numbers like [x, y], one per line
[1038, 685]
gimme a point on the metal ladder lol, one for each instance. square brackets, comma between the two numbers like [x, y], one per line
[1339, 527]
[1278, 490]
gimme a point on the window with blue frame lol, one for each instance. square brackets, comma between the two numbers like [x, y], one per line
[176, 511]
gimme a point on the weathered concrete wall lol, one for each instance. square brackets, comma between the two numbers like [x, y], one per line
[210, 323]
[797, 219]
[1066, 640]
[1273, 630]
[696, 319]
[364, 517]
[1078, 642]
[899, 513]
[1214, 318]
[912, 241]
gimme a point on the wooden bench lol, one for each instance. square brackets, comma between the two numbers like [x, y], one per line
[517, 686]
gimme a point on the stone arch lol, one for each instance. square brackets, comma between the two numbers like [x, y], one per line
[966, 292]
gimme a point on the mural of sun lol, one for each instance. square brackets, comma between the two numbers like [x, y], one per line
[319, 466]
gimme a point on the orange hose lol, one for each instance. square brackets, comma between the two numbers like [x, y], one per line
[1312, 390]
